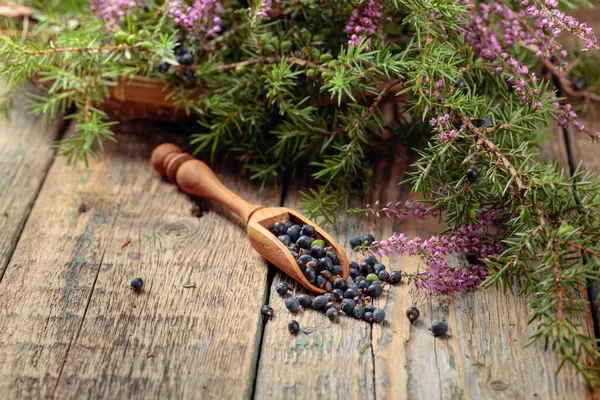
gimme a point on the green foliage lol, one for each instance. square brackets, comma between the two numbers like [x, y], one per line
[287, 94]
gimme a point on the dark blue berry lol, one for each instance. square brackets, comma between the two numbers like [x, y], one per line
[316, 251]
[374, 290]
[340, 283]
[282, 288]
[332, 314]
[338, 294]
[472, 175]
[162, 67]
[461, 83]
[279, 229]
[384, 276]
[354, 273]
[137, 284]
[370, 308]
[358, 312]
[310, 274]
[412, 313]
[359, 279]
[378, 315]
[304, 242]
[336, 269]
[305, 259]
[350, 293]
[352, 285]
[354, 265]
[293, 234]
[288, 225]
[292, 304]
[367, 239]
[189, 74]
[395, 277]
[487, 120]
[370, 260]
[364, 284]
[580, 83]
[293, 327]
[308, 230]
[319, 302]
[324, 264]
[267, 311]
[471, 258]
[347, 306]
[321, 281]
[285, 239]
[355, 241]
[305, 300]
[365, 269]
[368, 316]
[329, 296]
[332, 256]
[331, 304]
[185, 58]
[439, 328]
[378, 267]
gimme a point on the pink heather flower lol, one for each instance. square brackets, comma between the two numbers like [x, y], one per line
[440, 276]
[537, 104]
[113, 10]
[364, 21]
[202, 18]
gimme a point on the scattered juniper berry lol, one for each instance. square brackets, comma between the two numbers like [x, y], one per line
[293, 327]
[472, 175]
[412, 313]
[319, 302]
[370, 260]
[368, 316]
[439, 328]
[358, 312]
[395, 277]
[292, 304]
[332, 314]
[378, 315]
[282, 288]
[367, 239]
[267, 311]
[337, 294]
[384, 276]
[137, 284]
[350, 293]
[305, 300]
[354, 242]
[374, 291]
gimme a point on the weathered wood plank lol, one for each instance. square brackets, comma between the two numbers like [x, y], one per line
[583, 150]
[484, 356]
[71, 328]
[25, 157]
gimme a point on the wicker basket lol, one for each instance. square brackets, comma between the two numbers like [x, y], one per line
[143, 98]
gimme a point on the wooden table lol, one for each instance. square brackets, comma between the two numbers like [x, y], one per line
[71, 239]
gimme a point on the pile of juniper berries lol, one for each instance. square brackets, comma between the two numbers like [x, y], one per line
[319, 264]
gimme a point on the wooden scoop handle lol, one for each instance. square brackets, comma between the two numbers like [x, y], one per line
[196, 178]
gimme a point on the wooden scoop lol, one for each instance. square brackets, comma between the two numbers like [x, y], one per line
[196, 178]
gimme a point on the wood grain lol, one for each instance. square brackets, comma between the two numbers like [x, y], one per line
[70, 327]
[25, 157]
[483, 358]
[584, 151]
